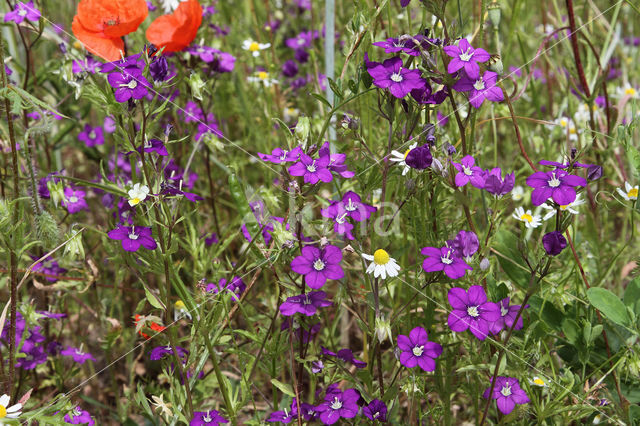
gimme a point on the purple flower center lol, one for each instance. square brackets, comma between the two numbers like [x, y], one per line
[318, 265]
[376, 415]
[132, 84]
[350, 207]
[92, 135]
[417, 350]
[311, 168]
[396, 77]
[554, 182]
[479, 84]
[73, 199]
[467, 170]
[78, 352]
[472, 311]
[336, 404]
[466, 55]
[284, 156]
[506, 390]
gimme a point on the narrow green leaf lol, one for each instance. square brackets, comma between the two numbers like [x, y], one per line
[283, 387]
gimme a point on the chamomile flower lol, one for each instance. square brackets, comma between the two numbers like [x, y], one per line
[382, 264]
[569, 207]
[137, 194]
[630, 193]
[263, 78]
[568, 127]
[401, 158]
[582, 114]
[517, 194]
[538, 381]
[628, 91]
[180, 311]
[11, 412]
[254, 47]
[530, 220]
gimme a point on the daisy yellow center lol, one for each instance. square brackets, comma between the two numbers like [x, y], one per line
[263, 75]
[381, 257]
[633, 193]
[134, 201]
[564, 207]
[472, 311]
[318, 265]
[506, 390]
[3, 412]
[572, 130]
[538, 381]
[466, 56]
[630, 91]
[254, 47]
[336, 404]
[479, 84]
[180, 304]
[417, 350]
[527, 217]
[407, 153]
[563, 123]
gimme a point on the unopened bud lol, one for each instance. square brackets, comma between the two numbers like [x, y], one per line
[383, 330]
[494, 13]
[484, 264]
[74, 248]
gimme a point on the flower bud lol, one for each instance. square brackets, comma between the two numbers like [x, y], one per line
[56, 191]
[484, 264]
[494, 13]
[383, 330]
[197, 85]
[74, 248]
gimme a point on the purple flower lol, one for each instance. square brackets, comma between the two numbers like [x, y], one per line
[391, 75]
[289, 68]
[405, 3]
[191, 112]
[465, 56]
[91, 136]
[465, 244]
[154, 145]
[128, 86]
[507, 317]
[336, 161]
[469, 172]
[376, 410]
[319, 265]
[419, 158]
[313, 170]
[88, 64]
[109, 124]
[317, 366]
[210, 126]
[444, 259]
[279, 155]
[172, 190]
[159, 352]
[350, 205]
[554, 242]
[285, 416]
[405, 43]
[74, 200]
[159, 68]
[471, 311]
[50, 268]
[481, 88]
[417, 350]
[52, 315]
[345, 355]
[23, 11]
[339, 214]
[338, 405]
[211, 239]
[301, 332]
[77, 355]
[210, 417]
[426, 96]
[133, 64]
[236, 287]
[306, 304]
[78, 416]
[556, 184]
[302, 40]
[494, 184]
[508, 393]
[132, 237]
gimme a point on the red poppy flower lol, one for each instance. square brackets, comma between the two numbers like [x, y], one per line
[99, 24]
[177, 30]
[152, 325]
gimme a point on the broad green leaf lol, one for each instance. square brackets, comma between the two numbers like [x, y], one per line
[284, 388]
[609, 304]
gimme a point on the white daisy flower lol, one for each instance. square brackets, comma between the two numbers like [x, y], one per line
[566, 123]
[291, 114]
[263, 78]
[527, 217]
[180, 311]
[9, 412]
[382, 264]
[628, 91]
[400, 158]
[582, 114]
[538, 381]
[630, 193]
[517, 194]
[254, 47]
[569, 207]
[137, 194]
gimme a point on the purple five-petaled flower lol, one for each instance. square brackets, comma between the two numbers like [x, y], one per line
[91, 136]
[23, 11]
[319, 265]
[393, 76]
[554, 242]
[345, 355]
[465, 56]
[132, 237]
[480, 88]
[418, 350]
[128, 84]
[472, 311]
[469, 172]
[209, 417]
[376, 410]
[444, 259]
[74, 200]
[496, 185]
[77, 355]
[307, 304]
[556, 184]
[508, 393]
[312, 169]
[507, 317]
[279, 155]
[338, 405]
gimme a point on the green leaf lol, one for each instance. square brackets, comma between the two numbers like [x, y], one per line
[153, 299]
[609, 304]
[322, 99]
[631, 296]
[284, 388]
[571, 330]
[33, 100]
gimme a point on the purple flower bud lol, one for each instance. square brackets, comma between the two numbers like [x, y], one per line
[594, 172]
[290, 68]
[554, 242]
